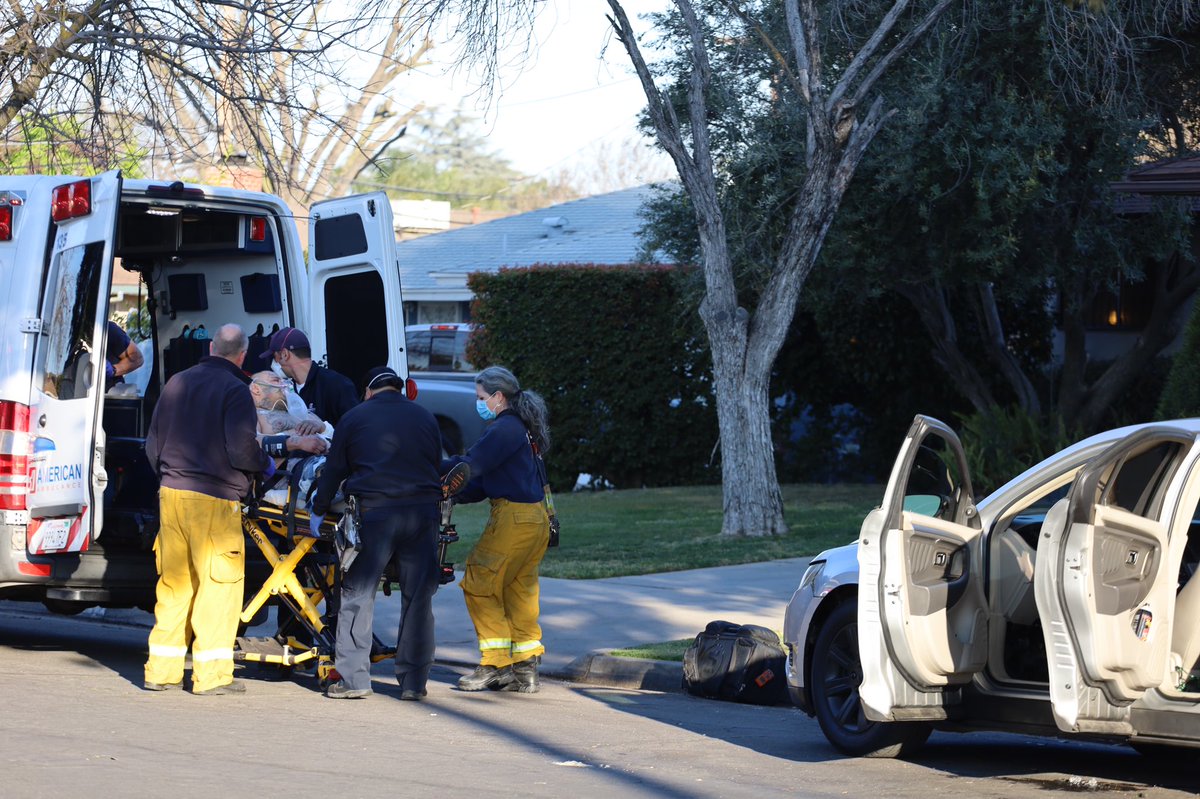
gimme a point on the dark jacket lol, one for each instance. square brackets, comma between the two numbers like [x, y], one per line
[387, 449]
[202, 434]
[502, 465]
[328, 394]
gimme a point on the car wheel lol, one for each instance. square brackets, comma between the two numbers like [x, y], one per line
[452, 440]
[835, 678]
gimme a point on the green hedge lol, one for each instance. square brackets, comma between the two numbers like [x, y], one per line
[624, 369]
[1181, 397]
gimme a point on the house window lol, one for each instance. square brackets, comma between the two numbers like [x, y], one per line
[1127, 306]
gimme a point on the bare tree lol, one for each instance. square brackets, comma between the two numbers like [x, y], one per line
[67, 67]
[843, 112]
[334, 125]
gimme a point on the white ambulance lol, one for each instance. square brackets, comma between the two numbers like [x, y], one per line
[78, 507]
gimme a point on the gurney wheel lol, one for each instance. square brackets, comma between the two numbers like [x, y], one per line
[326, 673]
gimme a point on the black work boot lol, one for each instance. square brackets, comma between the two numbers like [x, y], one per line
[486, 677]
[525, 676]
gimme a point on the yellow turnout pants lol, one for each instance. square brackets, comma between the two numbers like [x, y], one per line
[201, 570]
[501, 582]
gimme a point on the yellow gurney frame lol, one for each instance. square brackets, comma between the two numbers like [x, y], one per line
[284, 585]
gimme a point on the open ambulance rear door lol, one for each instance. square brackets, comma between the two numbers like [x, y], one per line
[357, 317]
[66, 470]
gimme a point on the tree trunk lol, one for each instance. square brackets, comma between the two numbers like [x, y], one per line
[929, 302]
[752, 501]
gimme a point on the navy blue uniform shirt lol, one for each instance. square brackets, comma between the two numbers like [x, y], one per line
[387, 449]
[329, 394]
[202, 434]
[502, 465]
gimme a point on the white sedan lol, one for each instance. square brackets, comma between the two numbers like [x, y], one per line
[1062, 604]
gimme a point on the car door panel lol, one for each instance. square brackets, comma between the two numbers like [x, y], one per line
[1105, 578]
[922, 612]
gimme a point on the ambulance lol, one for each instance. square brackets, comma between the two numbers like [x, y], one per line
[78, 501]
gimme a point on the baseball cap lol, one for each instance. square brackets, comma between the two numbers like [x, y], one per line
[382, 377]
[288, 338]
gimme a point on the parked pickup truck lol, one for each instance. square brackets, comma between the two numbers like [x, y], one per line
[445, 378]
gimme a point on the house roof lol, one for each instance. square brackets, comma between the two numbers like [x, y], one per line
[595, 230]
[1172, 176]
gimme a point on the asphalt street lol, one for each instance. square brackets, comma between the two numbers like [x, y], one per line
[76, 723]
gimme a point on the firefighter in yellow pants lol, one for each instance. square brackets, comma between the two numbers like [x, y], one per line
[201, 443]
[201, 564]
[501, 582]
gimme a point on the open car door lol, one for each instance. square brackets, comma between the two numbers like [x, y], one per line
[922, 615]
[1107, 569]
[66, 474]
[357, 316]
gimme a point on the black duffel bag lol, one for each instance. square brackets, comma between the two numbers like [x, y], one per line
[736, 662]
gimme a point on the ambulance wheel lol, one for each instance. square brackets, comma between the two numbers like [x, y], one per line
[65, 607]
[835, 677]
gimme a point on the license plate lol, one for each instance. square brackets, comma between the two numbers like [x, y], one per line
[55, 533]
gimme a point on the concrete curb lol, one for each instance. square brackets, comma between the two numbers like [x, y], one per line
[600, 668]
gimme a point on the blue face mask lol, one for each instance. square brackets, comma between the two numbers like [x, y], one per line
[486, 413]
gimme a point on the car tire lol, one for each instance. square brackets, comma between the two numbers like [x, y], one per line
[452, 439]
[835, 677]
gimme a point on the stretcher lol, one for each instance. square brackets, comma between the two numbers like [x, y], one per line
[304, 582]
[306, 574]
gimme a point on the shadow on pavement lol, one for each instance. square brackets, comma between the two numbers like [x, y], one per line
[780, 731]
[1056, 764]
[117, 647]
[1047, 763]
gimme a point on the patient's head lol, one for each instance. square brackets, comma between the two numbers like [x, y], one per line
[268, 391]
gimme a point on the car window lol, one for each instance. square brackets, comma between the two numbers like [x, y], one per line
[441, 351]
[934, 482]
[461, 364]
[1141, 480]
[418, 350]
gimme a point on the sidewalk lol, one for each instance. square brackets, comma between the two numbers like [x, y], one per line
[582, 618]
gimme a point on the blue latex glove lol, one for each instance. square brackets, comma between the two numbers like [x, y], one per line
[314, 525]
[269, 472]
[109, 369]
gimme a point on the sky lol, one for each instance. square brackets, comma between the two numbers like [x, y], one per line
[575, 92]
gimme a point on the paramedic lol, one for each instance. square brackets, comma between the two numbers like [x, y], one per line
[387, 450]
[325, 392]
[501, 581]
[121, 355]
[201, 444]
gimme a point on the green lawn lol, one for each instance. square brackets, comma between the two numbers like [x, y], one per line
[666, 650]
[641, 531]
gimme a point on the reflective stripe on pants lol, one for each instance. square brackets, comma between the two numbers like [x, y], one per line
[501, 582]
[201, 566]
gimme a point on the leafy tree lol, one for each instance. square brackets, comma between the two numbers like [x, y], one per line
[805, 77]
[986, 194]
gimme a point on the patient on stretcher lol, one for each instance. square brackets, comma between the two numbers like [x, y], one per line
[280, 411]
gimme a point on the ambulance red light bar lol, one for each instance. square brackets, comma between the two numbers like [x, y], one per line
[6, 222]
[258, 228]
[71, 200]
[14, 455]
